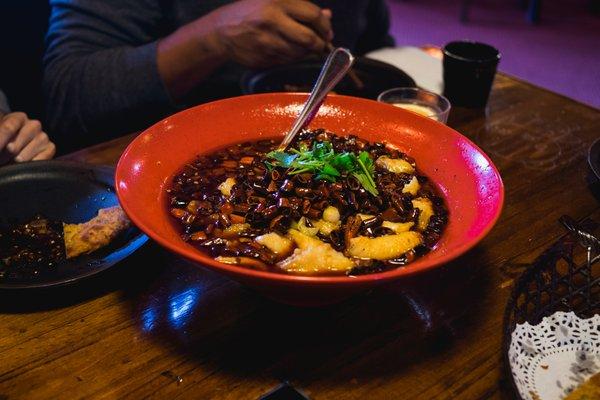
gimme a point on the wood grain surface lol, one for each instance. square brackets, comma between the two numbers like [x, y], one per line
[158, 327]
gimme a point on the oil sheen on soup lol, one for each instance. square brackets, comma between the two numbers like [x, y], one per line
[328, 205]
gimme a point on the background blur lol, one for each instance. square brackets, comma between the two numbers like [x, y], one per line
[560, 52]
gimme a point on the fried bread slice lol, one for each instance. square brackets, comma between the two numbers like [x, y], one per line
[96, 233]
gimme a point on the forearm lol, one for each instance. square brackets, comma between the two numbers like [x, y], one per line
[252, 33]
[103, 60]
[188, 56]
[141, 82]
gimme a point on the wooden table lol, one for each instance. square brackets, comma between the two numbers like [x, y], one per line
[156, 326]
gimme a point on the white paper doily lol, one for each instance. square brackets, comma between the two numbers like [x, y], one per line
[550, 359]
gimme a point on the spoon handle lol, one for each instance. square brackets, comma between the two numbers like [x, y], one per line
[337, 64]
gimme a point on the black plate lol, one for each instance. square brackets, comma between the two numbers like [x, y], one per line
[376, 75]
[67, 192]
[594, 158]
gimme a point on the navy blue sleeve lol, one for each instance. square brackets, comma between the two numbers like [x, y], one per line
[100, 71]
[4, 108]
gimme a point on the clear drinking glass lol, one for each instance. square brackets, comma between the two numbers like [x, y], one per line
[419, 101]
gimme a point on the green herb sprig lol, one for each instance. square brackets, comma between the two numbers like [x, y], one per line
[326, 164]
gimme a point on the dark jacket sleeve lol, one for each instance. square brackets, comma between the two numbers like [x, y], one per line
[4, 108]
[101, 77]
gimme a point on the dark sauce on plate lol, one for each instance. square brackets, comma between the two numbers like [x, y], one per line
[35, 245]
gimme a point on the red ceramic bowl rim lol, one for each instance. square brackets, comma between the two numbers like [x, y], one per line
[194, 255]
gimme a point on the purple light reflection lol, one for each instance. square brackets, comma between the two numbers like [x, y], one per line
[137, 166]
[487, 187]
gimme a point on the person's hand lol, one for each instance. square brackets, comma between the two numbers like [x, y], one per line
[260, 33]
[22, 139]
[253, 33]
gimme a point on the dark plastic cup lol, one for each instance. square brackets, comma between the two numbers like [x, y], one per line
[469, 70]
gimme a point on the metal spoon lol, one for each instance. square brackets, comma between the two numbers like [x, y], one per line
[356, 81]
[336, 66]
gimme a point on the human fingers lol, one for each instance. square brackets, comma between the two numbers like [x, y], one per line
[47, 153]
[26, 134]
[301, 35]
[310, 15]
[9, 127]
[281, 49]
[265, 50]
[33, 148]
[328, 14]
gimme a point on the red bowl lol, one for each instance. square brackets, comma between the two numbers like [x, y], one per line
[466, 177]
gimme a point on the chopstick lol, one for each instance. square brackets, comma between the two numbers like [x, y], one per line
[358, 83]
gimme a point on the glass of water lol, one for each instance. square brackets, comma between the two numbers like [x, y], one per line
[419, 101]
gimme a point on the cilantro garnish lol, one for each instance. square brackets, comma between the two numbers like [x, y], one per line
[326, 164]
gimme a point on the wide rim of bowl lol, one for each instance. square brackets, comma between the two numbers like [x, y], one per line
[192, 254]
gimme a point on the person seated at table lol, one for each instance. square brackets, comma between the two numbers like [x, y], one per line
[114, 67]
[22, 139]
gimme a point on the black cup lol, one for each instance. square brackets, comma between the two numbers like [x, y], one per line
[469, 69]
